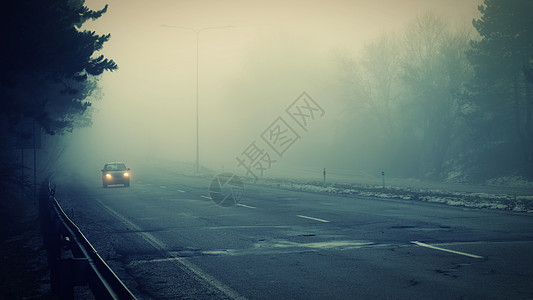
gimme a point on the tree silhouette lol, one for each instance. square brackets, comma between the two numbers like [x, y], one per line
[48, 65]
[502, 58]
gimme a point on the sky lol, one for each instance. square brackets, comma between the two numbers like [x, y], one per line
[249, 71]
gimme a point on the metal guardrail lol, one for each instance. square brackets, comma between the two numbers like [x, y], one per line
[71, 258]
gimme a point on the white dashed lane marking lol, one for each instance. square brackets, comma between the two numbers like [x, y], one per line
[247, 206]
[445, 250]
[315, 219]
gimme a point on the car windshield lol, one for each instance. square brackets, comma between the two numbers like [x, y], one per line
[116, 167]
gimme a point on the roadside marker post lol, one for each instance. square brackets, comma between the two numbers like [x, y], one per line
[383, 178]
[324, 176]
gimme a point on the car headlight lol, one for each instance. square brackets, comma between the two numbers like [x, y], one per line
[126, 174]
[107, 175]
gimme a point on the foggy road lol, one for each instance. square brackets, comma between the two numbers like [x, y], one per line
[165, 238]
[391, 144]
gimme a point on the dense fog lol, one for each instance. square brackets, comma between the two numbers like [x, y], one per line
[377, 69]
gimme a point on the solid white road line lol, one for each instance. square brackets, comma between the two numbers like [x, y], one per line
[445, 250]
[206, 197]
[182, 262]
[311, 218]
[247, 206]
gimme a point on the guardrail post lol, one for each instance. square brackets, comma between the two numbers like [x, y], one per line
[65, 284]
[72, 272]
[54, 255]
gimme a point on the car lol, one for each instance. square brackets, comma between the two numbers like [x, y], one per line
[115, 173]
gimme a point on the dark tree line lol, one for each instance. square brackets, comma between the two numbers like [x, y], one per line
[501, 89]
[49, 67]
[451, 103]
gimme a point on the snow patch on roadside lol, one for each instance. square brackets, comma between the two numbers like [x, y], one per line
[516, 203]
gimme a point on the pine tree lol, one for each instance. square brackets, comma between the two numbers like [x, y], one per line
[48, 65]
[502, 57]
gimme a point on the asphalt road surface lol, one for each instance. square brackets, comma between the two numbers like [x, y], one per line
[166, 239]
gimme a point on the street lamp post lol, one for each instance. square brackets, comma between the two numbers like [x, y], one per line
[197, 33]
